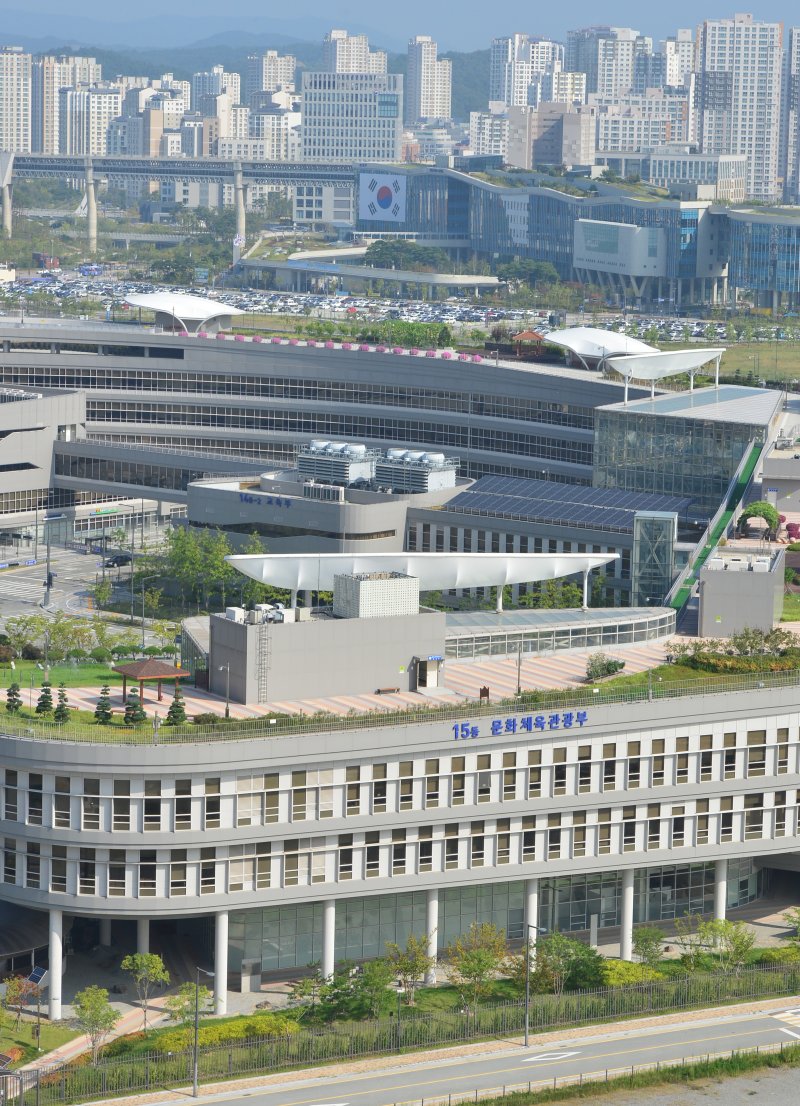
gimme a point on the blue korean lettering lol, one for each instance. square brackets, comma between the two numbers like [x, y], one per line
[511, 725]
[554, 721]
[581, 717]
[497, 727]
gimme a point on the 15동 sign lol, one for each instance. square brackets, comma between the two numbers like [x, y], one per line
[529, 723]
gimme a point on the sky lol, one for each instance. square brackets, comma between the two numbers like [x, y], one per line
[456, 24]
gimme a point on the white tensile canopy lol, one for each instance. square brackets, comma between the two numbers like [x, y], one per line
[663, 363]
[191, 312]
[591, 343]
[435, 571]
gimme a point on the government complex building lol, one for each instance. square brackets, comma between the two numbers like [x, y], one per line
[383, 474]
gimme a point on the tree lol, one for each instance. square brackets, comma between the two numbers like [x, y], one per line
[216, 571]
[102, 710]
[474, 959]
[600, 664]
[152, 599]
[690, 939]
[409, 964]
[94, 1016]
[103, 591]
[45, 703]
[19, 991]
[181, 1004]
[760, 509]
[61, 713]
[24, 630]
[732, 940]
[648, 945]
[176, 715]
[562, 961]
[147, 971]
[134, 712]
[306, 991]
[791, 917]
[13, 699]
[371, 983]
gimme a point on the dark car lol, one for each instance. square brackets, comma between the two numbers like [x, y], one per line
[118, 560]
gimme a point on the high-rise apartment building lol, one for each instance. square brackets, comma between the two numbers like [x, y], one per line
[48, 76]
[84, 117]
[15, 99]
[269, 72]
[678, 51]
[352, 117]
[790, 119]
[345, 53]
[607, 55]
[428, 82]
[215, 82]
[515, 62]
[739, 63]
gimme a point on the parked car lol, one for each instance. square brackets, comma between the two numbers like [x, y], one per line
[117, 560]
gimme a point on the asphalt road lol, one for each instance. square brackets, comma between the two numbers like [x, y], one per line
[590, 1056]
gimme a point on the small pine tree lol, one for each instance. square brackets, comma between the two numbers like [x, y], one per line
[61, 713]
[102, 712]
[45, 704]
[176, 715]
[13, 699]
[134, 713]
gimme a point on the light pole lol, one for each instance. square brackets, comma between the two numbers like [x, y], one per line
[226, 668]
[528, 950]
[145, 580]
[400, 992]
[196, 1050]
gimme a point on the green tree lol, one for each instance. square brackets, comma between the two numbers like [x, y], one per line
[562, 962]
[61, 713]
[134, 711]
[65, 633]
[176, 715]
[216, 571]
[24, 630]
[371, 983]
[474, 959]
[690, 939]
[147, 971]
[760, 509]
[102, 592]
[45, 703]
[13, 699]
[648, 945]
[94, 1016]
[599, 664]
[733, 942]
[409, 963]
[181, 1005]
[102, 710]
[306, 991]
[791, 917]
[152, 600]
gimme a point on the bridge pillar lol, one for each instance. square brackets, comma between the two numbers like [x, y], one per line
[91, 208]
[241, 219]
[6, 210]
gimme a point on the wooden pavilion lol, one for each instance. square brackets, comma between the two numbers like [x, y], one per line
[145, 671]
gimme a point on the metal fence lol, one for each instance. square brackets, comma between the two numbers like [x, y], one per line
[412, 1030]
[255, 729]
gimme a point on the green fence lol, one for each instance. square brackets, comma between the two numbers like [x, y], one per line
[410, 1031]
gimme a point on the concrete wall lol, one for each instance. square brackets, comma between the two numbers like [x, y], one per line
[271, 662]
[734, 600]
[28, 429]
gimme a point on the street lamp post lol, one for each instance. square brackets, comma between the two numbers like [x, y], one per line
[226, 668]
[145, 580]
[400, 992]
[196, 1049]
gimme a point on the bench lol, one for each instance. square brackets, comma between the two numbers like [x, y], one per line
[386, 690]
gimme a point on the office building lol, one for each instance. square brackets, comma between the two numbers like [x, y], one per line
[49, 75]
[552, 134]
[739, 96]
[15, 99]
[428, 82]
[352, 117]
[345, 53]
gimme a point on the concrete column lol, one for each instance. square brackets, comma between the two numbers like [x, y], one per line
[221, 963]
[499, 607]
[432, 925]
[6, 210]
[586, 587]
[91, 209]
[626, 916]
[105, 932]
[328, 937]
[239, 204]
[56, 963]
[143, 935]
[532, 911]
[720, 889]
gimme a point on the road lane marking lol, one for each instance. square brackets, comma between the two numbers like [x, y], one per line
[791, 1034]
[549, 1056]
[266, 1092]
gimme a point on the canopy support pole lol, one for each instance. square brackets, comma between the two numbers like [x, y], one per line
[586, 589]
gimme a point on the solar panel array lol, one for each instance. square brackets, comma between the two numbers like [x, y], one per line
[546, 501]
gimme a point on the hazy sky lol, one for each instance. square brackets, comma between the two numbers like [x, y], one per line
[457, 24]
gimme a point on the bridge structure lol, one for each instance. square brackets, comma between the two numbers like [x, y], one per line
[239, 174]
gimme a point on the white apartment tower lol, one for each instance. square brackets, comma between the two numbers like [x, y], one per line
[15, 99]
[215, 82]
[678, 51]
[48, 76]
[352, 117]
[790, 119]
[428, 82]
[84, 118]
[345, 53]
[269, 72]
[607, 55]
[739, 64]
[516, 62]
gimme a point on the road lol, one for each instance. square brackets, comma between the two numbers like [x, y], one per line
[591, 1056]
[22, 589]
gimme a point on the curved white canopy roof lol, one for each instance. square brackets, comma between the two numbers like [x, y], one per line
[435, 571]
[181, 306]
[662, 363]
[597, 344]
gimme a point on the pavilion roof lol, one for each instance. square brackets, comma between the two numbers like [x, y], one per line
[150, 669]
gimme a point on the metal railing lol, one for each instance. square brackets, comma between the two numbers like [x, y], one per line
[275, 726]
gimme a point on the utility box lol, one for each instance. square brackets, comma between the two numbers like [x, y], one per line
[251, 977]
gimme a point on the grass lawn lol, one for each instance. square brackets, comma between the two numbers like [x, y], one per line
[70, 675]
[445, 997]
[52, 1037]
[665, 673]
[791, 607]
[761, 360]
